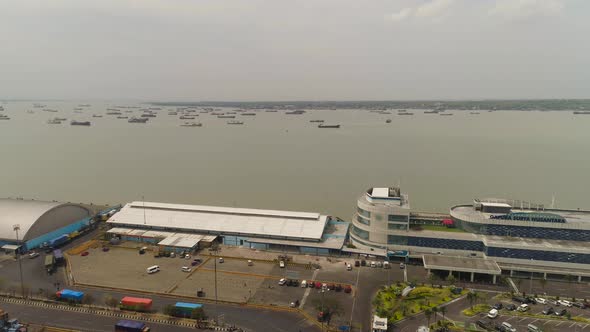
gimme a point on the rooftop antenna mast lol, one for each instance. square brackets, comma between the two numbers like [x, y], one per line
[553, 201]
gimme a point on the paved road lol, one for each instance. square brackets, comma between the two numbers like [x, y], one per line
[74, 320]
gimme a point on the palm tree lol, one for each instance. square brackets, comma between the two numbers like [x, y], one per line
[434, 311]
[471, 297]
[428, 314]
[443, 310]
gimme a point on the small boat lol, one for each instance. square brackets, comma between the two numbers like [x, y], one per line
[295, 112]
[112, 109]
[4, 117]
[53, 121]
[328, 126]
[405, 113]
[96, 116]
[235, 123]
[271, 111]
[226, 116]
[138, 120]
[84, 105]
[431, 112]
[582, 112]
[474, 113]
[384, 112]
[147, 115]
[79, 123]
[122, 117]
[78, 108]
[388, 121]
[445, 114]
[49, 110]
[320, 121]
[60, 119]
[172, 113]
[248, 114]
[191, 124]
[187, 117]
[114, 113]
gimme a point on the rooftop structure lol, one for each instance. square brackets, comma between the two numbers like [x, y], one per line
[36, 218]
[221, 220]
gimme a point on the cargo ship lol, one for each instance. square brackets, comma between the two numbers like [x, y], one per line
[329, 126]
[137, 120]
[191, 124]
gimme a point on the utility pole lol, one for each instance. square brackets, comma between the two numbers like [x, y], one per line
[16, 228]
[215, 272]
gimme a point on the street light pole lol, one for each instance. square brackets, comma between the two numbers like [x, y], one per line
[215, 273]
[16, 228]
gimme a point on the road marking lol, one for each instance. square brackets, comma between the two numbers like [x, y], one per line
[522, 319]
[307, 291]
[558, 324]
[511, 317]
[585, 326]
[572, 324]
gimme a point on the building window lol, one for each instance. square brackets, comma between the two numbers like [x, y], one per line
[397, 218]
[364, 213]
[363, 220]
[394, 226]
[360, 233]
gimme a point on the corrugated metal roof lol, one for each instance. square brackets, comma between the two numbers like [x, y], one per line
[250, 222]
[180, 241]
[22, 212]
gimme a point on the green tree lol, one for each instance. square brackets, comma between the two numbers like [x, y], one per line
[471, 298]
[443, 311]
[435, 312]
[170, 310]
[110, 301]
[432, 278]
[428, 314]
[451, 279]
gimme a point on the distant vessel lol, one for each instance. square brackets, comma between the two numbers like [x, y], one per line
[53, 121]
[446, 114]
[321, 121]
[296, 112]
[405, 113]
[172, 113]
[226, 116]
[122, 117]
[112, 109]
[80, 123]
[474, 113]
[582, 112]
[328, 126]
[249, 114]
[96, 116]
[1, 108]
[84, 105]
[114, 113]
[4, 117]
[388, 121]
[147, 115]
[235, 123]
[187, 117]
[78, 108]
[49, 110]
[191, 124]
[61, 119]
[384, 112]
[271, 111]
[137, 120]
[431, 112]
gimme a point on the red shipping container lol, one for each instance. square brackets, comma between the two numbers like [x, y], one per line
[137, 302]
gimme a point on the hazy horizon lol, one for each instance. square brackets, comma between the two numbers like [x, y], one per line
[174, 50]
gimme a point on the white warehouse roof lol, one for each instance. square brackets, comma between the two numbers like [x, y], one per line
[222, 220]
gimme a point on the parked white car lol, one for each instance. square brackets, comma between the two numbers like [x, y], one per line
[33, 255]
[282, 281]
[508, 327]
[523, 307]
[185, 269]
[565, 303]
[373, 264]
[493, 313]
[281, 264]
[540, 300]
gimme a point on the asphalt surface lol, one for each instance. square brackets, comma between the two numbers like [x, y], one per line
[74, 320]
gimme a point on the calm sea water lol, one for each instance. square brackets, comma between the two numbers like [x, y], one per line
[280, 161]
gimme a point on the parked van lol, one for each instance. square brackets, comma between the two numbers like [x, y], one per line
[304, 284]
[386, 265]
[250, 262]
[373, 264]
[152, 269]
[348, 267]
[508, 327]
[523, 307]
[533, 328]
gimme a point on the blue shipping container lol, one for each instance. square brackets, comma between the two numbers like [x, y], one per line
[59, 240]
[68, 294]
[188, 306]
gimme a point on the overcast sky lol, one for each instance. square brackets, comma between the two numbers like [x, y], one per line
[294, 50]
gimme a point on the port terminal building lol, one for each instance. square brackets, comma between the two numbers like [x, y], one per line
[489, 237]
[179, 227]
[28, 224]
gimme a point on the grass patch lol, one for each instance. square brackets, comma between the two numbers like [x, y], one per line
[477, 309]
[436, 228]
[389, 303]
